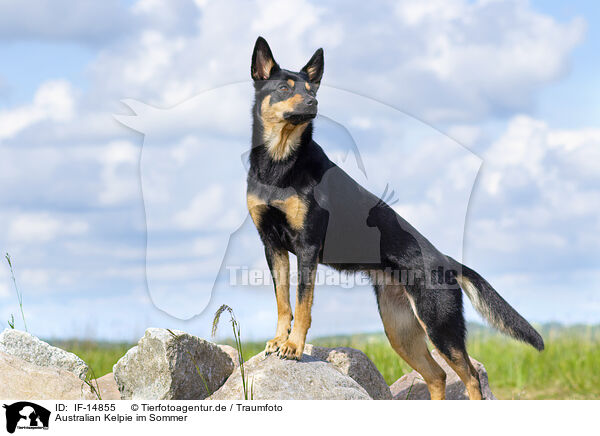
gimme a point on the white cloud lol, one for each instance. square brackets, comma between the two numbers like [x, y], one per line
[119, 173]
[5, 284]
[442, 61]
[278, 17]
[85, 20]
[530, 152]
[4, 290]
[449, 61]
[538, 197]
[203, 210]
[209, 209]
[34, 277]
[167, 15]
[54, 100]
[43, 227]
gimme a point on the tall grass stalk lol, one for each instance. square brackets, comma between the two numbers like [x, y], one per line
[237, 337]
[19, 295]
[92, 382]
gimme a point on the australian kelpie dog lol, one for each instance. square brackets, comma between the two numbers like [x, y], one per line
[295, 194]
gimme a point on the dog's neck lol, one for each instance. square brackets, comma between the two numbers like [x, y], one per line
[280, 139]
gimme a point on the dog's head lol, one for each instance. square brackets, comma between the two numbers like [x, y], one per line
[285, 96]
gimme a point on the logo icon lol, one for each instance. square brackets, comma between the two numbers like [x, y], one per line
[26, 415]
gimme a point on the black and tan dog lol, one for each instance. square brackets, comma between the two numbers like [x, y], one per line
[292, 190]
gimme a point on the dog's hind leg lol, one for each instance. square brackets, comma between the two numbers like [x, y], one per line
[439, 311]
[461, 364]
[408, 338]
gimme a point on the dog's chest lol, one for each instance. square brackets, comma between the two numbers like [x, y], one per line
[293, 207]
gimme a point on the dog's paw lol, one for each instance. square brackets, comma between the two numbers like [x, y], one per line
[289, 350]
[274, 344]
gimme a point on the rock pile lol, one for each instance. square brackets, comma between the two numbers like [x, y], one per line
[175, 365]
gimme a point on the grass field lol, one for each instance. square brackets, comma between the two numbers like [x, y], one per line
[567, 369]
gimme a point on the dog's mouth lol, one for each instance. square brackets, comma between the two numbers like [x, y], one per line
[298, 118]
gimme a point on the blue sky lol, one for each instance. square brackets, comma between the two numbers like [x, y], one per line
[481, 115]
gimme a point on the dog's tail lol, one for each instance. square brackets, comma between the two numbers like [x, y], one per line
[494, 308]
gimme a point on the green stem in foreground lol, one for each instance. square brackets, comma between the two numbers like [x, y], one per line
[19, 295]
[92, 382]
[238, 345]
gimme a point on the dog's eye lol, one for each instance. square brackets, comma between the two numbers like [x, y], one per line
[284, 88]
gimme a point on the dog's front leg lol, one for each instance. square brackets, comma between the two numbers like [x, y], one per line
[307, 269]
[279, 265]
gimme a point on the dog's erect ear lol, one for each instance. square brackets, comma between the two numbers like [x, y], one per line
[314, 67]
[263, 63]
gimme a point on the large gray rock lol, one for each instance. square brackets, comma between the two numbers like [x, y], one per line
[164, 367]
[232, 353]
[272, 378]
[355, 364]
[21, 380]
[412, 386]
[29, 348]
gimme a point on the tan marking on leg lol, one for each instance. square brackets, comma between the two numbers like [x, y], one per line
[457, 362]
[281, 277]
[281, 137]
[295, 210]
[408, 338]
[415, 313]
[294, 346]
[256, 207]
[461, 364]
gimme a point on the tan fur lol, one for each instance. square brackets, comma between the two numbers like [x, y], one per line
[291, 83]
[312, 71]
[462, 366]
[295, 210]
[307, 86]
[408, 338]
[398, 308]
[281, 273]
[265, 69]
[256, 207]
[294, 346]
[280, 136]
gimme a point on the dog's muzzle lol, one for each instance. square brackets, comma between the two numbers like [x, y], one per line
[299, 117]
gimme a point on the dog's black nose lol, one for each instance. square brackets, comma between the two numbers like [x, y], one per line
[310, 101]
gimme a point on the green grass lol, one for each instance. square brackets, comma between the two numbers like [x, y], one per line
[100, 356]
[567, 369]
